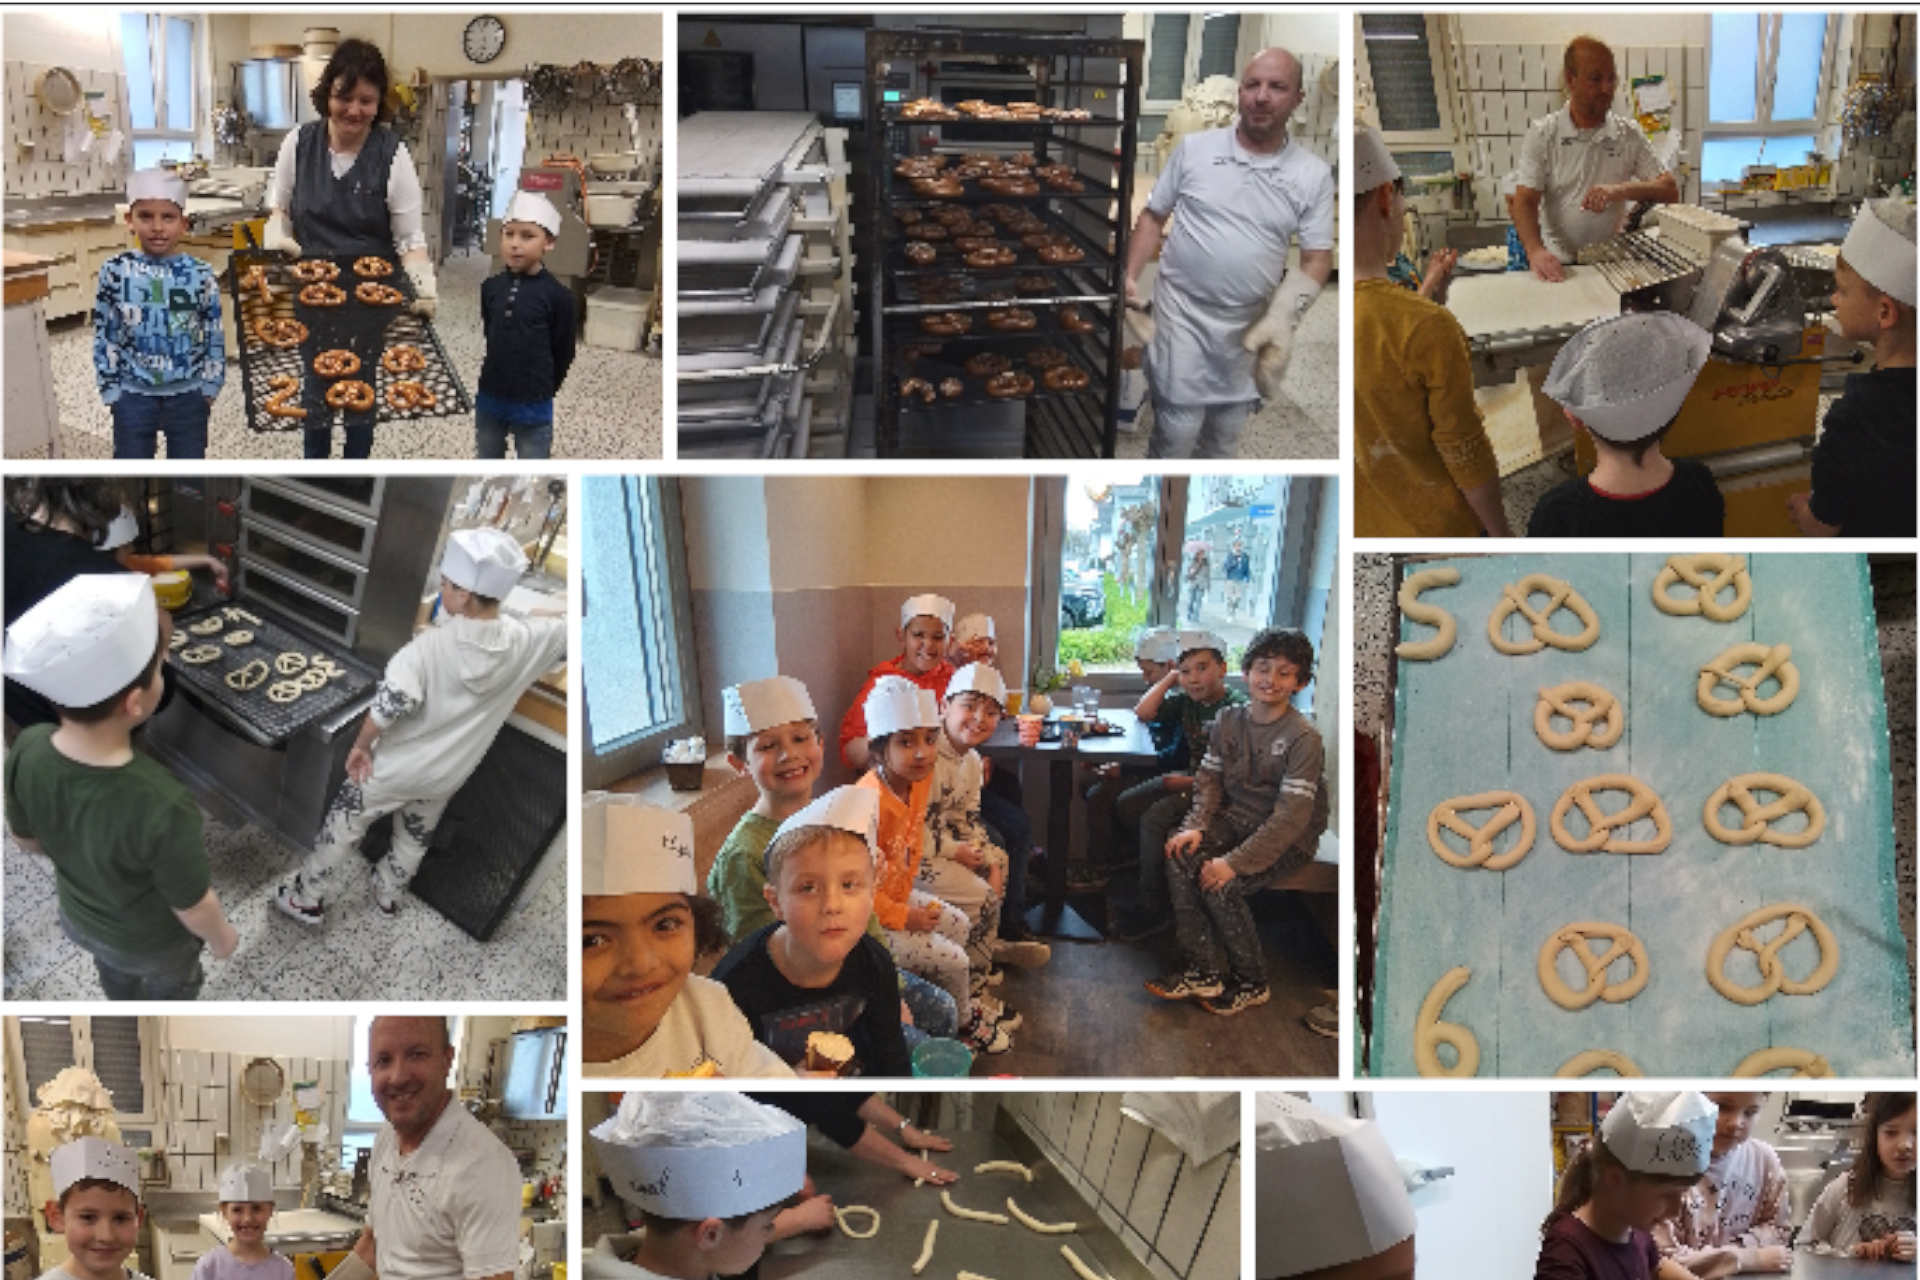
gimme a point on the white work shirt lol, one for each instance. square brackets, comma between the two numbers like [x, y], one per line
[1563, 162]
[448, 1211]
[1235, 212]
[702, 1023]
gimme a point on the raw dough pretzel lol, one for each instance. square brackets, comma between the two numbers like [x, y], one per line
[290, 663]
[251, 676]
[178, 641]
[1574, 938]
[313, 270]
[1507, 806]
[312, 679]
[234, 613]
[840, 1213]
[972, 1215]
[1429, 1030]
[1080, 1268]
[1601, 826]
[207, 626]
[1805, 1062]
[1586, 704]
[1588, 1061]
[1757, 818]
[285, 691]
[926, 1247]
[1437, 644]
[1774, 980]
[201, 654]
[235, 639]
[1032, 1223]
[322, 663]
[1515, 598]
[1004, 1166]
[1771, 662]
[1725, 570]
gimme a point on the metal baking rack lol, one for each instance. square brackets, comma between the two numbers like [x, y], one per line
[261, 719]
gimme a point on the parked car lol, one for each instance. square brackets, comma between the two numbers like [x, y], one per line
[1083, 601]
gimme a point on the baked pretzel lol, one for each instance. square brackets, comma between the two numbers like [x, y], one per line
[314, 270]
[927, 109]
[1011, 186]
[284, 691]
[926, 231]
[251, 676]
[1046, 357]
[290, 663]
[1009, 385]
[988, 363]
[323, 295]
[255, 277]
[336, 363]
[1012, 318]
[402, 358]
[920, 253]
[908, 217]
[917, 387]
[950, 216]
[378, 295]
[1065, 378]
[350, 394]
[372, 268]
[1058, 253]
[1032, 285]
[281, 389]
[921, 350]
[952, 387]
[1074, 320]
[974, 244]
[947, 324]
[278, 333]
[410, 395]
[995, 257]
[939, 188]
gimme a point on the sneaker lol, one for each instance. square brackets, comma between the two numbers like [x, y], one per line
[1135, 925]
[1242, 997]
[306, 911]
[982, 1036]
[1030, 954]
[386, 890]
[993, 977]
[996, 1012]
[1190, 985]
[1323, 1020]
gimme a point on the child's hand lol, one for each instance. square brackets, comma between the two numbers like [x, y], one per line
[815, 1213]
[906, 1015]
[997, 879]
[1183, 844]
[226, 942]
[1773, 1257]
[1903, 1246]
[359, 764]
[969, 857]
[1215, 875]
[1177, 781]
[922, 919]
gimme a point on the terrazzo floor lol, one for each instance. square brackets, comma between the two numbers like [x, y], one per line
[608, 407]
[358, 954]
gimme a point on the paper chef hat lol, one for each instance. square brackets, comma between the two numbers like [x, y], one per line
[933, 606]
[156, 184]
[1661, 1133]
[1336, 1193]
[1186, 642]
[531, 206]
[630, 847]
[94, 1158]
[694, 1156]
[851, 809]
[1879, 246]
[978, 677]
[487, 561]
[764, 704]
[246, 1183]
[1156, 644]
[1373, 164]
[86, 641]
[894, 704]
[975, 626]
[1626, 376]
[124, 528]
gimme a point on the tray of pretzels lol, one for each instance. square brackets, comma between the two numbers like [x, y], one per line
[260, 674]
[334, 338]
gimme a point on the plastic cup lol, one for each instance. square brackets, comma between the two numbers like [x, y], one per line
[1014, 699]
[942, 1057]
[1030, 729]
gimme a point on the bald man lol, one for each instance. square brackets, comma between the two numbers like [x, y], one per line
[1242, 194]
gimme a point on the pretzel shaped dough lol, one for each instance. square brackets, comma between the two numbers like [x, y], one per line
[1598, 719]
[1806, 1064]
[1588, 1061]
[1508, 807]
[1601, 826]
[234, 639]
[234, 613]
[201, 654]
[1757, 818]
[1437, 644]
[284, 691]
[208, 626]
[842, 1212]
[1429, 1031]
[177, 641]
[1708, 573]
[311, 679]
[321, 662]
[290, 663]
[1773, 974]
[1770, 662]
[1516, 597]
[251, 676]
[1574, 937]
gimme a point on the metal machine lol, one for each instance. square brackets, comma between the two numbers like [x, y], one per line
[562, 180]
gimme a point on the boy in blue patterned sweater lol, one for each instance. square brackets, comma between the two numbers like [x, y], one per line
[158, 353]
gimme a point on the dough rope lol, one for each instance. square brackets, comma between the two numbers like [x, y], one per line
[1508, 807]
[1601, 826]
[842, 1212]
[1080, 1268]
[1770, 662]
[1429, 1031]
[1032, 1223]
[1411, 606]
[1596, 716]
[1757, 818]
[1708, 574]
[1516, 597]
[1004, 1166]
[1574, 937]
[971, 1215]
[1773, 974]
[1805, 1062]
[1589, 1061]
[926, 1247]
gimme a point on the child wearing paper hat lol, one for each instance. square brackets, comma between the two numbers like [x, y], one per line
[124, 836]
[527, 318]
[439, 705]
[925, 621]
[1331, 1198]
[1863, 463]
[973, 640]
[1621, 382]
[644, 1013]
[707, 1172]
[158, 354]
[96, 1185]
[1651, 1149]
[246, 1203]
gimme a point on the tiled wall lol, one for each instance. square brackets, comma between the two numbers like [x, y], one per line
[586, 128]
[547, 1139]
[43, 170]
[1180, 1219]
[1315, 121]
[202, 1098]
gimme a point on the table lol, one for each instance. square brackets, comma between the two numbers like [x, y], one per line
[1132, 745]
[1808, 1265]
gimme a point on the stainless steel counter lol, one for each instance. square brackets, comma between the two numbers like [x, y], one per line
[1808, 1265]
[54, 210]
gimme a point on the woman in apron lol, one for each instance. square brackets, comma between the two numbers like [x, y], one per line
[344, 185]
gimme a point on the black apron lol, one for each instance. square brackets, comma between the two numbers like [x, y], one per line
[346, 215]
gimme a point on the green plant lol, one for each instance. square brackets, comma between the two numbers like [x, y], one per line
[1110, 643]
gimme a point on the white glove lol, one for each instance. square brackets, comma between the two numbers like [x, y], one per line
[1272, 334]
[280, 234]
[351, 1268]
[426, 294]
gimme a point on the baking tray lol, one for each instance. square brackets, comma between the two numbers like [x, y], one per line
[365, 330]
[266, 722]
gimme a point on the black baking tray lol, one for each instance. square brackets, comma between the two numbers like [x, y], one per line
[264, 721]
[354, 326]
[1081, 350]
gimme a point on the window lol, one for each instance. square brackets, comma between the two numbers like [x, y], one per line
[1184, 49]
[1401, 67]
[1765, 74]
[120, 1052]
[640, 685]
[158, 50]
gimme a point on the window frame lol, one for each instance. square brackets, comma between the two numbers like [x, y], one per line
[157, 71]
[80, 1033]
[1764, 126]
[1443, 138]
[1190, 64]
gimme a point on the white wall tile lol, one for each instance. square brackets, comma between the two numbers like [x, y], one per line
[1157, 1174]
[1106, 1127]
[1219, 1254]
[1189, 1208]
[1125, 1167]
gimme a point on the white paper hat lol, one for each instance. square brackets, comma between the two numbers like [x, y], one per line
[1156, 644]
[1329, 1189]
[86, 641]
[531, 206]
[892, 705]
[851, 809]
[933, 606]
[1626, 376]
[1879, 246]
[94, 1158]
[485, 560]
[246, 1183]
[978, 677]
[1186, 642]
[156, 184]
[694, 1156]
[1373, 164]
[124, 528]
[1661, 1133]
[628, 846]
[764, 704]
[975, 626]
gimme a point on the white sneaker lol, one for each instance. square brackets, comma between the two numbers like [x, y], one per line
[1027, 954]
[386, 894]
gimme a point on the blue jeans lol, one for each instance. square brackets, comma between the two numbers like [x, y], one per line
[358, 431]
[490, 432]
[174, 974]
[933, 1010]
[140, 420]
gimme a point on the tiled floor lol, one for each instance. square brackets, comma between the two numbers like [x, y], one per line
[357, 955]
[609, 406]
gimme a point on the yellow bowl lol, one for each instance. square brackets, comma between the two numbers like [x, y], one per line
[173, 588]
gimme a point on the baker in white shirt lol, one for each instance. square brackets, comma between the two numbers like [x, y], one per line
[1223, 298]
[1582, 167]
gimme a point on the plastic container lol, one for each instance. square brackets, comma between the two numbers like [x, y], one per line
[942, 1058]
[616, 318]
[688, 776]
[173, 589]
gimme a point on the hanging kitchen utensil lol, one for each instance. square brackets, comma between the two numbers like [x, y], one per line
[262, 1082]
[58, 91]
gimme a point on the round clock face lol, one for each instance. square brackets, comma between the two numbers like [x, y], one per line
[485, 37]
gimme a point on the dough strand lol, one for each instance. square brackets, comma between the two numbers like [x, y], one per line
[926, 1247]
[1004, 1166]
[1411, 606]
[1806, 1063]
[971, 1215]
[1591, 1060]
[1429, 1031]
[1032, 1223]
[842, 1212]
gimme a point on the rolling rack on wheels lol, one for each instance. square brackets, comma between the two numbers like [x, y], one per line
[1000, 197]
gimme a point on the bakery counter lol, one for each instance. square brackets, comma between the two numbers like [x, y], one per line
[30, 411]
[1808, 1265]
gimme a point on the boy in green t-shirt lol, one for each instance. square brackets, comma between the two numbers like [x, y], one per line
[124, 836]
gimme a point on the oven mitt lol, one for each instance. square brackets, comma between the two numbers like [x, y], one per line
[280, 235]
[426, 293]
[1272, 335]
